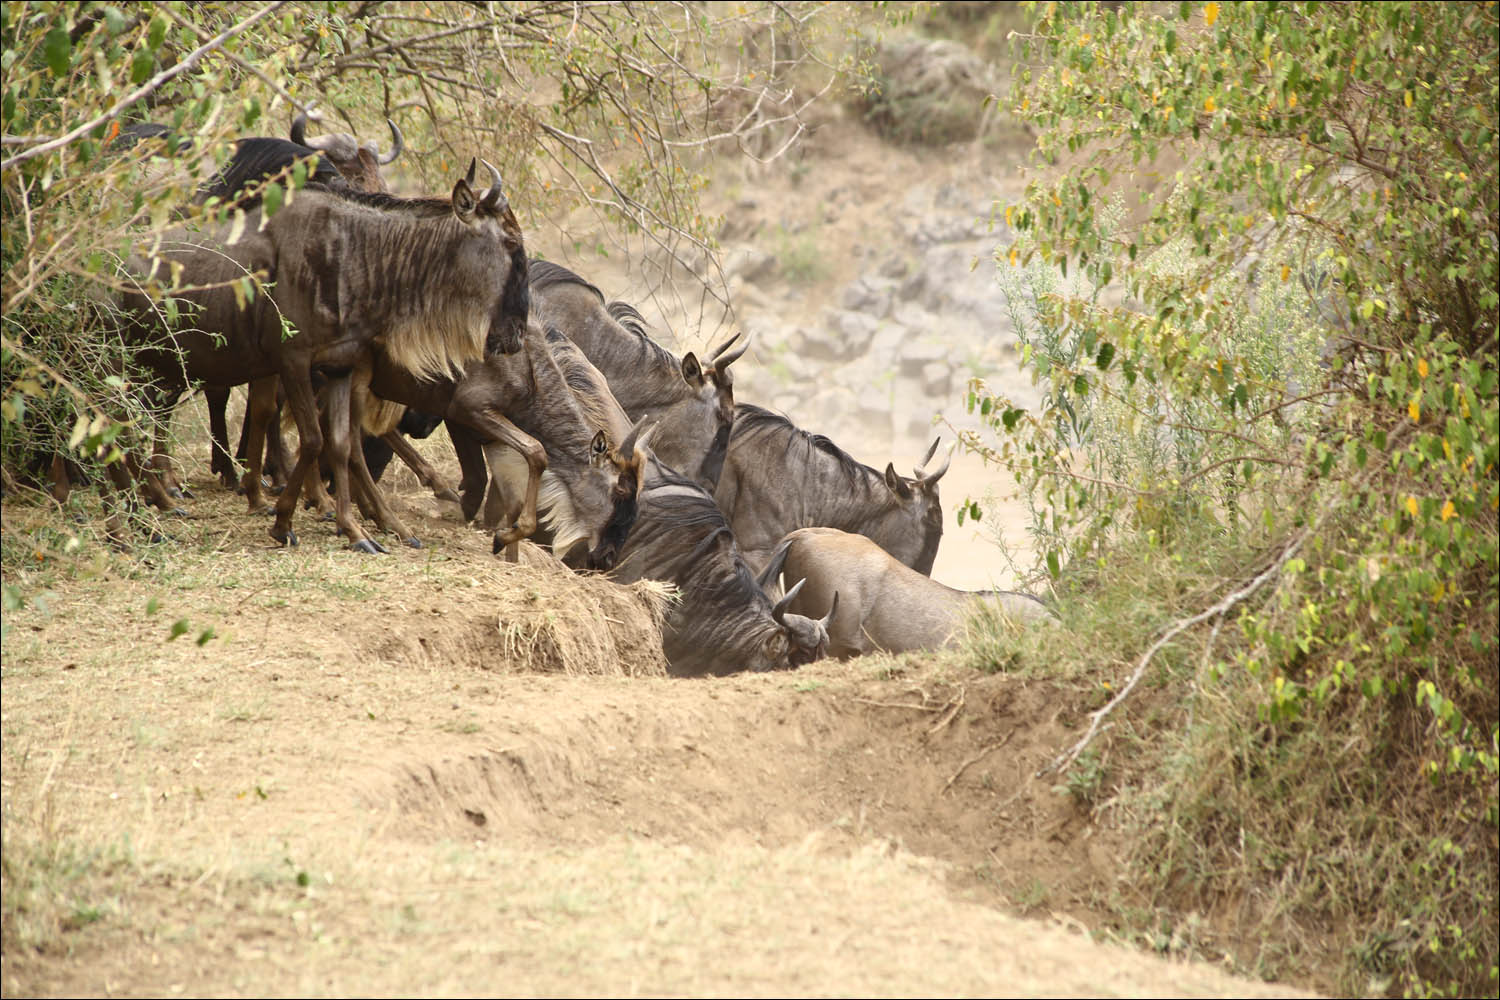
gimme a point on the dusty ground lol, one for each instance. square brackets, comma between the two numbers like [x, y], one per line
[364, 783]
[373, 777]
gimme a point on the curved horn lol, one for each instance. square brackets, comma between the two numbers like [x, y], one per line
[628, 446]
[493, 196]
[930, 452]
[397, 145]
[723, 361]
[827, 619]
[773, 568]
[779, 611]
[473, 166]
[930, 478]
[299, 128]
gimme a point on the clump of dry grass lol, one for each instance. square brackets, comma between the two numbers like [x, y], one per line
[553, 620]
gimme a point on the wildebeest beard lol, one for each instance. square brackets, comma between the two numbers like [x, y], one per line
[515, 307]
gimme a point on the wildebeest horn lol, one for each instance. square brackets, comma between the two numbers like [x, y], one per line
[827, 619]
[927, 479]
[722, 361]
[635, 437]
[299, 128]
[773, 568]
[473, 166]
[930, 452]
[495, 193]
[396, 145]
[779, 611]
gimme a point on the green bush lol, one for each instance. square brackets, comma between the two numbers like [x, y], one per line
[1284, 361]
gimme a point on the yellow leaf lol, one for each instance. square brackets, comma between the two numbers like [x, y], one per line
[1210, 14]
[1411, 506]
[1422, 367]
[1291, 100]
[1448, 510]
[1013, 256]
[1414, 410]
[1407, 98]
[1008, 210]
[1056, 200]
[1208, 104]
[1447, 450]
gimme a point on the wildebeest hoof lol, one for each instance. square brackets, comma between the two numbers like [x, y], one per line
[276, 490]
[176, 492]
[176, 512]
[414, 542]
[450, 496]
[368, 545]
[328, 515]
[289, 540]
[157, 538]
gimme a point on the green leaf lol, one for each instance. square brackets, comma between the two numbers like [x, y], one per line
[179, 628]
[57, 48]
[1105, 356]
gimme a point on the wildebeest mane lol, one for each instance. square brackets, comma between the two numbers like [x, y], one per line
[545, 274]
[751, 420]
[260, 157]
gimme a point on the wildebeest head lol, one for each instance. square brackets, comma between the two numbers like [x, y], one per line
[809, 636]
[627, 464]
[920, 496]
[697, 416]
[724, 622]
[360, 163]
[491, 213]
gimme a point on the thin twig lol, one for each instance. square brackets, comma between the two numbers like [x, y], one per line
[984, 752]
[191, 61]
[1218, 608]
[954, 707]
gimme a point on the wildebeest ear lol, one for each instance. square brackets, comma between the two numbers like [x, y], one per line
[896, 483]
[464, 202]
[599, 449]
[692, 372]
[776, 646]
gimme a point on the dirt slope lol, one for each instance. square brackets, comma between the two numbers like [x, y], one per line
[361, 785]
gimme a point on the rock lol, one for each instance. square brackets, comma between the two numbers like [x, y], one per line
[854, 331]
[870, 295]
[749, 264]
[916, 355]
[815, 345]
[937, 379]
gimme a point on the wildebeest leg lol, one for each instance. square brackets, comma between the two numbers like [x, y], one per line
[220, 463]
[384, 515]
[260, 413]
[337, 447]
[153, 481]
[500, 434]
[297, 380]
[475, 474]
[426, 474]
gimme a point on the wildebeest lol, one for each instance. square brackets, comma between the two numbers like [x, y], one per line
[883, 605]
[430, 278]
[692, 403]
[358, 163]
[778, 478]
[723, 622]
[521, 404]
[340, 159]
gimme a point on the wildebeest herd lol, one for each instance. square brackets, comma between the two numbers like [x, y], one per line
[570, 424]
